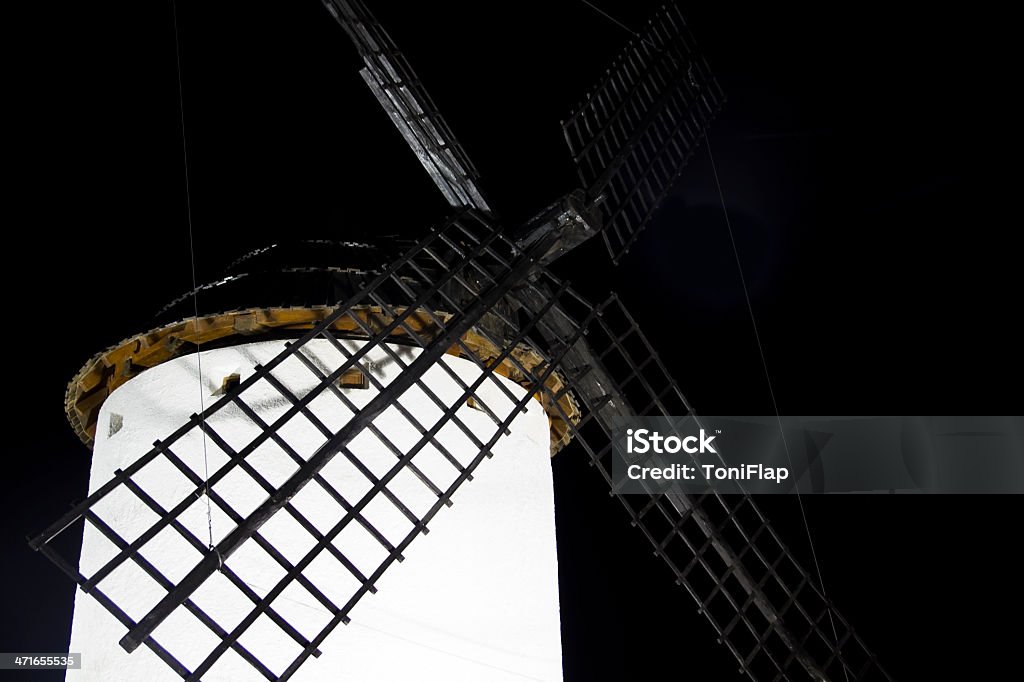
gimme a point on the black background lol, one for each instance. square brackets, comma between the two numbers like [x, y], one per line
[862, 159]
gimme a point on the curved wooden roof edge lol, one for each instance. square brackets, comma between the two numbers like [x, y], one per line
[114, 366]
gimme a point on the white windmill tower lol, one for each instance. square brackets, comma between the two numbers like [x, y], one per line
[479, 601]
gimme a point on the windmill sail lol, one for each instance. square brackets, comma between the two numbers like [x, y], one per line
[764, 606]
[634, 133]
[410, 108]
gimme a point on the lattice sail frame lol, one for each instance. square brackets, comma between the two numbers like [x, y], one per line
[634, 133]
[764, 606]
[412, 111]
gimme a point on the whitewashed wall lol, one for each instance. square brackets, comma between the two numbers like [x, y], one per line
[476, 599]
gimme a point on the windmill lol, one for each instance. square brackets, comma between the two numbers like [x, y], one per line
[445, 356]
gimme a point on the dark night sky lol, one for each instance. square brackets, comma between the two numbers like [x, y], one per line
[861, 160]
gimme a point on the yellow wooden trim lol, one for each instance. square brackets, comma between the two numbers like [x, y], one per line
[107, 370]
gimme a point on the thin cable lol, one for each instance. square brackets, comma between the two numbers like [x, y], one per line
[771, 391]
[192, 256]
[615, 21]
[760, 348]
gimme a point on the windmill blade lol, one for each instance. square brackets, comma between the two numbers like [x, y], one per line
[634, 133]
[764, 606]
[454, 292]
[410, 108]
